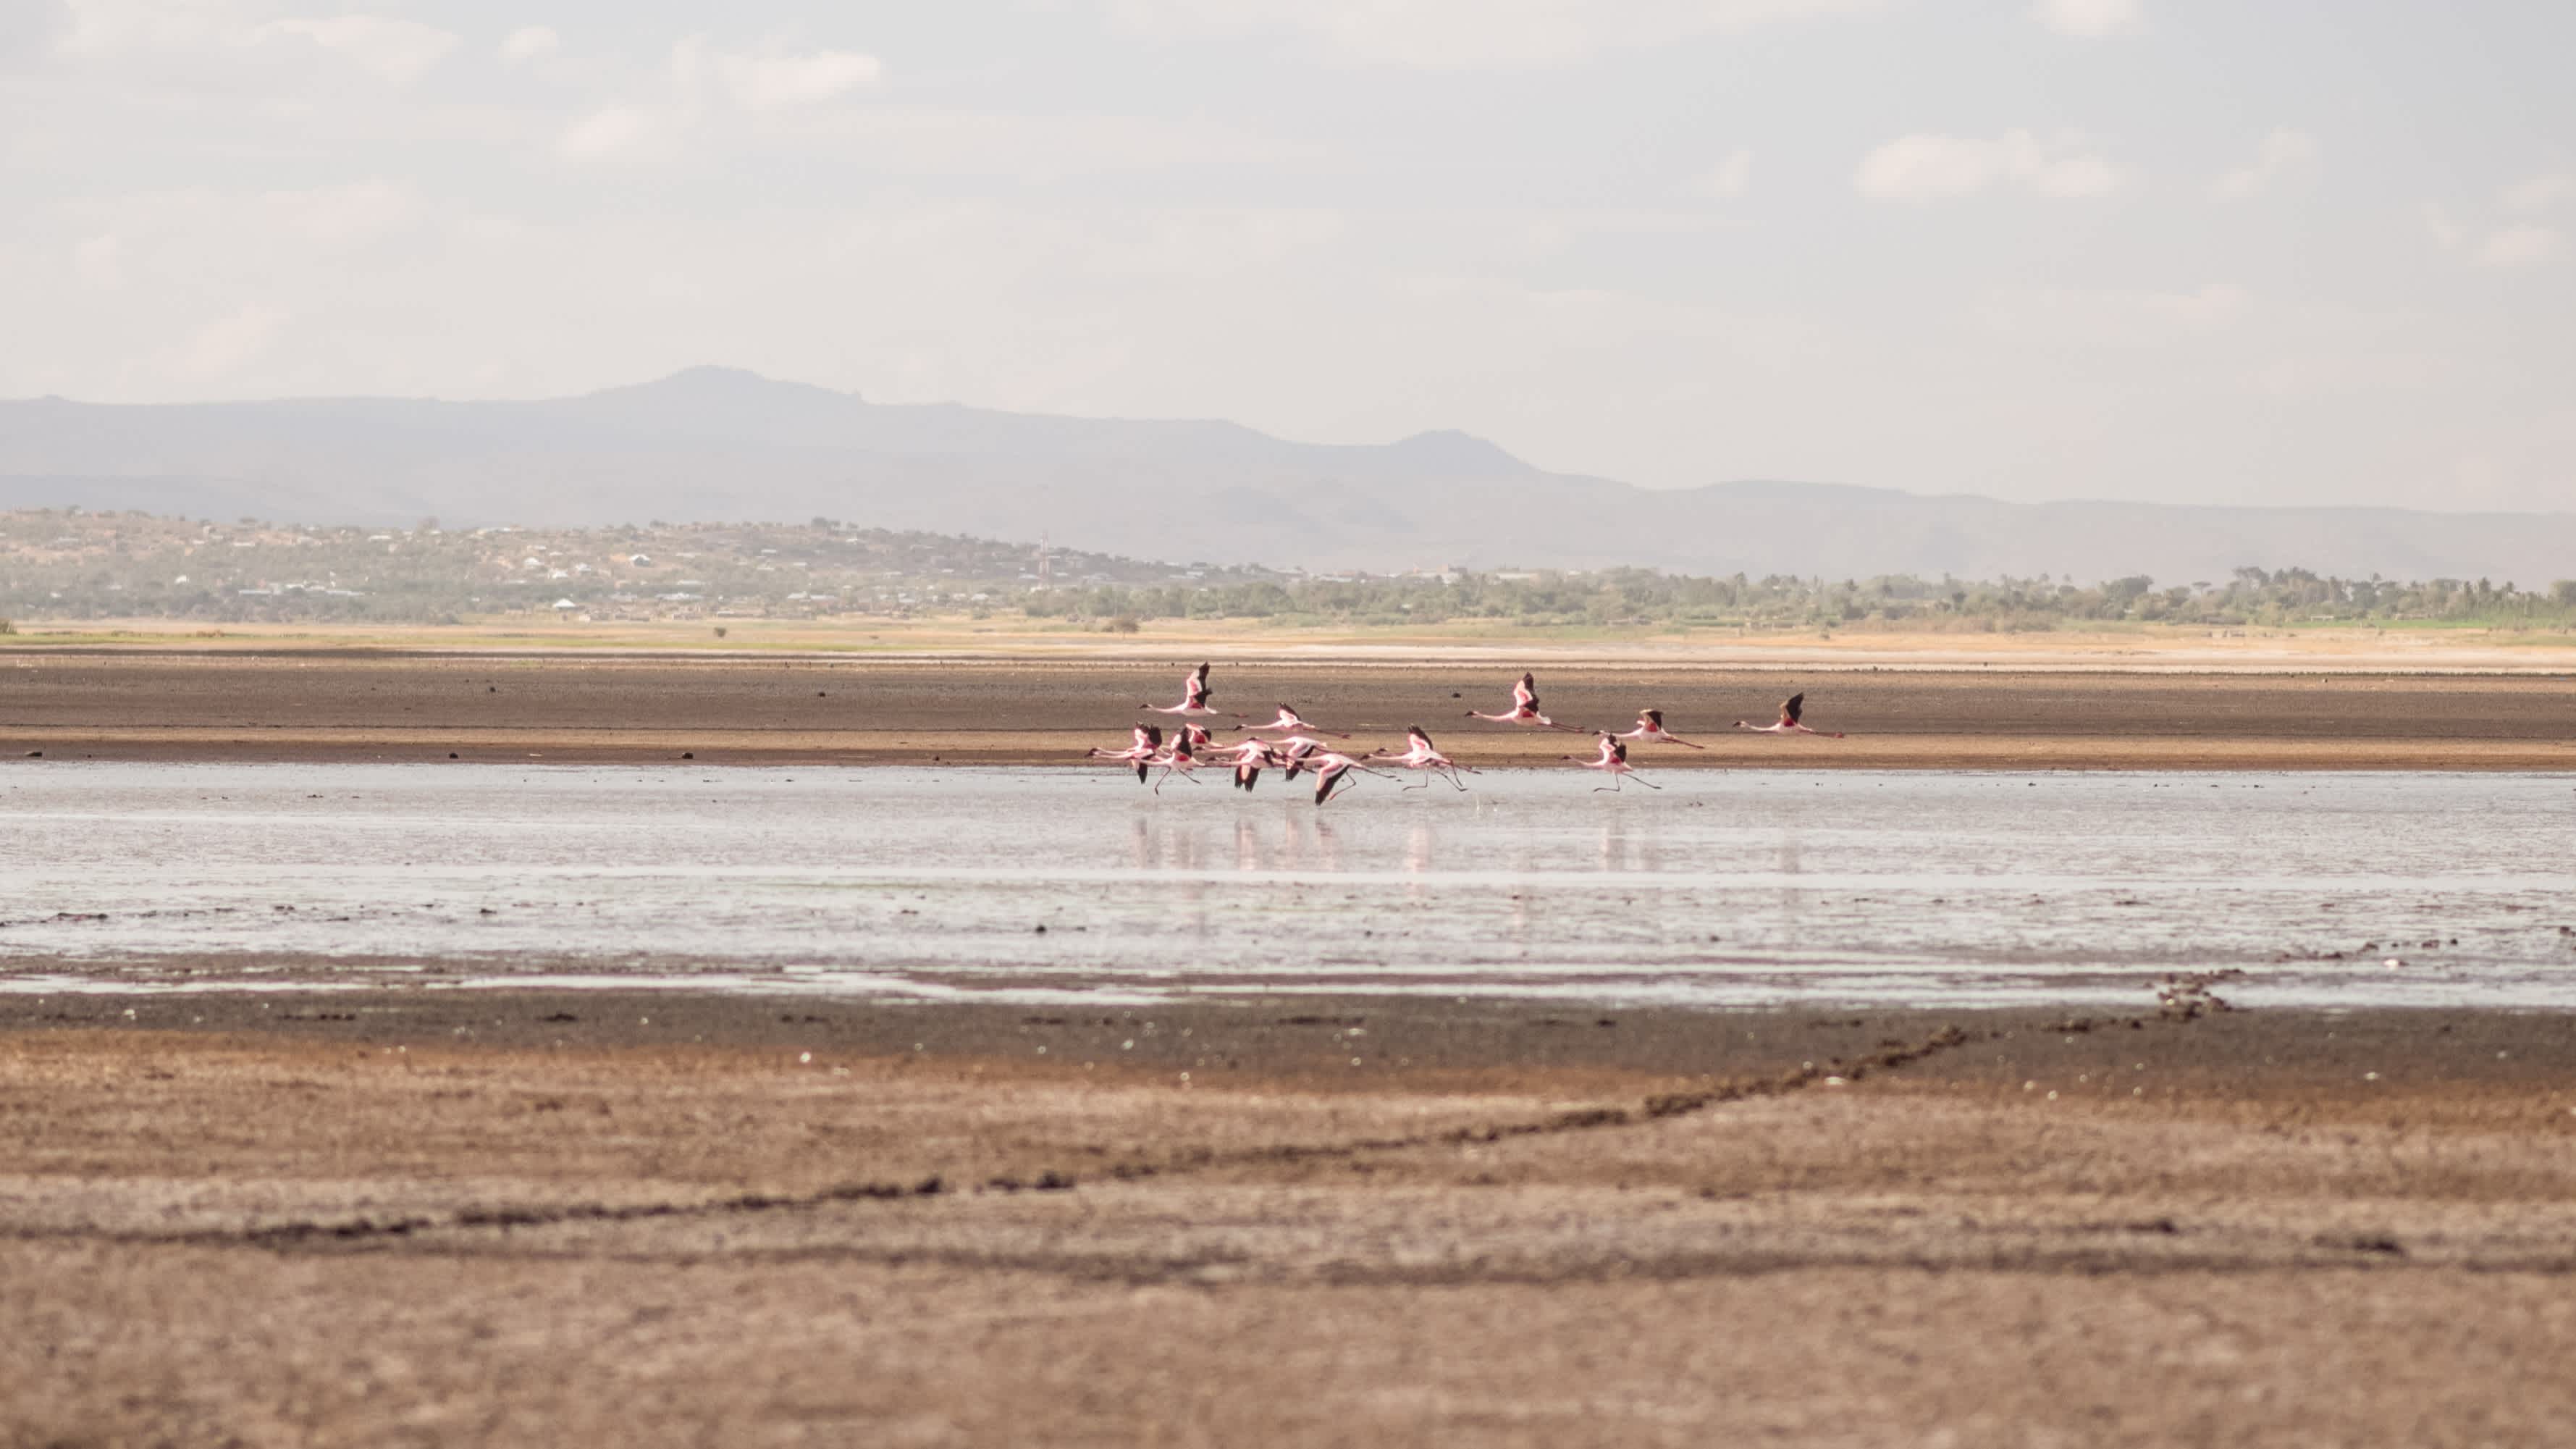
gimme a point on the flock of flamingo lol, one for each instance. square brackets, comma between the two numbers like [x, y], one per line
[1291, 744]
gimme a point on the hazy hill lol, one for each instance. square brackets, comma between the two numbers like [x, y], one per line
[715, 444]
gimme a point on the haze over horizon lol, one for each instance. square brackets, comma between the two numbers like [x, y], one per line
[697, 383]
[724, 445]
[2167, 250]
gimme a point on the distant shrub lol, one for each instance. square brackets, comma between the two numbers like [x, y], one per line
[8, 627]
[720, 631]
[1123, 624]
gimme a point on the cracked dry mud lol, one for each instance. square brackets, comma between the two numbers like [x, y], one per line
[624, 1217]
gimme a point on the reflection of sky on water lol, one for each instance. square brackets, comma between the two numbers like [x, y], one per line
[1723, 888]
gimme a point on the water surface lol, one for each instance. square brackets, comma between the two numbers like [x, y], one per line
[1721, 889]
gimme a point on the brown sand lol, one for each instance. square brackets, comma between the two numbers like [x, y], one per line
[620, 1216]
[313, 705]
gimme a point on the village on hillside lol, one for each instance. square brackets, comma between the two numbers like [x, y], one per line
[74, 564]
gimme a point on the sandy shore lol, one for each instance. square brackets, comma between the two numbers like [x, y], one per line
[319, 705]
[614, 1216]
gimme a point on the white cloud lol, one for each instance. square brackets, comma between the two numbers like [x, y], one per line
[2512, 244]
[529, 42]
[395, 50]
[767, 81]
[338, 216]
[2448, 234]
[100, 261]
[2343, 372]
[2282, 151]
[605, 132]
[2213, 306]
[1727, 180]
[228, 343]
[772, 83]
[2539, 193]
[937, 141]
[2116, 316]
[2089, 18]
[778, 81]
[2518, 246]
[1476, 34]
[1928, 167]
[105, 27]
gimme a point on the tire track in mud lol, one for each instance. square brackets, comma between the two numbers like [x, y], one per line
[2182, 1000]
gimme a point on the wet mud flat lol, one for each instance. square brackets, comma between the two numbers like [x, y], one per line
[513, 1216]
[322, 705]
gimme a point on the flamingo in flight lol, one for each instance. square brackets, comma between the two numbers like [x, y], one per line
[1148, 743]
[1790, 709]
[1194, 699]
[1292, 722]
[1420, 754]
[1650, 731]
[1178, 758]
[1249, 759]
[1524, 710]
[1295, 754]
[1334, 769]
[1614, 763]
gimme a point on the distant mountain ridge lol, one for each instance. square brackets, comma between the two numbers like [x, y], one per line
[712, 444]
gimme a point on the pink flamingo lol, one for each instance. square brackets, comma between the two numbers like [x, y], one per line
[1294, 723]
[1149, 742]
[1250, 758]
[1614, 763]
[1650, 731]
[1420, 754]
[1333, 769]
[1794, 706]
[1194, 699]
[1179, 758]
[1295, 754]
[1524, 710]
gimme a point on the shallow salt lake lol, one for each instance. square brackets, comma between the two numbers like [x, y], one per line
[1751, 888]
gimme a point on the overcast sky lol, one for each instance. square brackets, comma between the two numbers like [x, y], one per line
[2294, 251]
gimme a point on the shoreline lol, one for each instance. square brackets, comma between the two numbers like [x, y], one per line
[561, 710]
[851, 749]
[1302, 1039]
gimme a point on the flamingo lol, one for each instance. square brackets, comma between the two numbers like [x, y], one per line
[1650, 731]
[1790, 709]
[1194, 699]
[1180, 758]
[1420, 754]
[1614, 763]
[1148, 743]
[1524, 710]
[1294, 723]
[1250, 758]
[1295, 754]
[1332, 769]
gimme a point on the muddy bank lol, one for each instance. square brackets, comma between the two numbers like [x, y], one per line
[566, 709]
[523, 1216]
